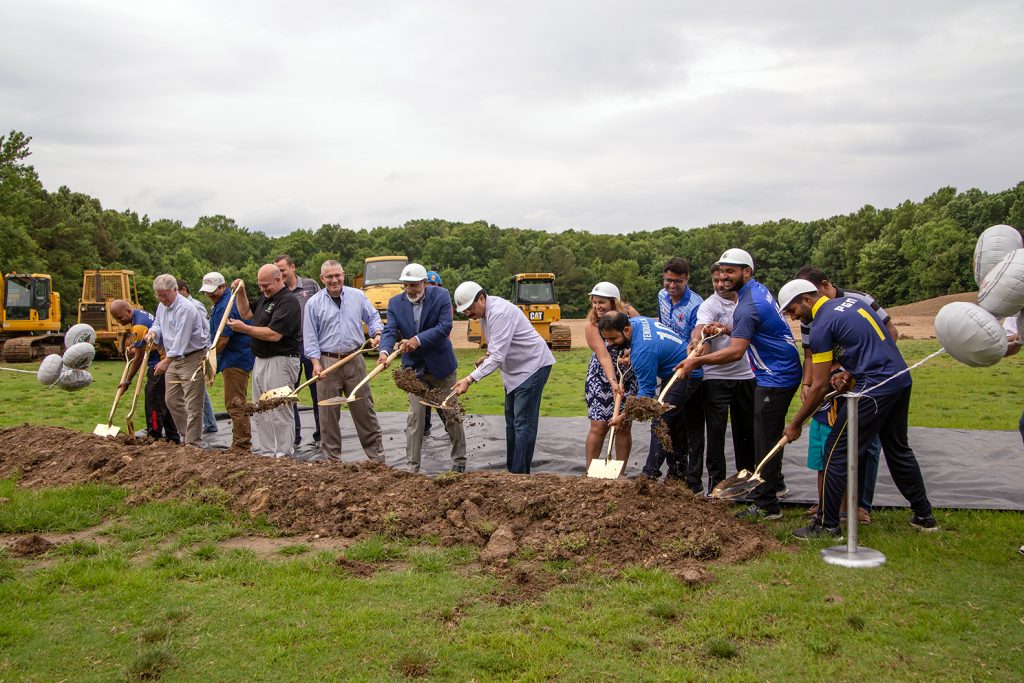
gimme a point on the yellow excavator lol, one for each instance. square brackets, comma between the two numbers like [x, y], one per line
[534, 294]
[29, 318]
[379, 281]
[99, 288]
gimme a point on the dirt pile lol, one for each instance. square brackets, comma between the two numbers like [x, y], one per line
[644, 409]
[406, 380]
[599, 523]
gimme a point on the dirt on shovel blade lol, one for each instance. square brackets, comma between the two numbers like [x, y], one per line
[521, 524]
[406, 380]
[250, 409]
[644, 409]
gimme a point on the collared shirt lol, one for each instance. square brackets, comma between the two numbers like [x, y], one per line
[772, 348]
[335, 328]
[512, 344]
[198, 304]
[805, 328]
[681, 317]
[654, 352]
[282, 313]
[849, 332]
[417, 312]
[238, 351]
[305, 289]
[180, 328]
[718, 309]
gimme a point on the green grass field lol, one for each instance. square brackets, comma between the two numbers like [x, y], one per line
[151, 594]
[946, 393]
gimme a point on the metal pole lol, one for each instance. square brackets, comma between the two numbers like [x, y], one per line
[851, 555]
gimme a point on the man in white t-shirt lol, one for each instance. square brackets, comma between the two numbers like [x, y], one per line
[727, 388]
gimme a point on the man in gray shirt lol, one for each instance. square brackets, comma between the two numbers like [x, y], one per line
[525, 362]
[303, 288]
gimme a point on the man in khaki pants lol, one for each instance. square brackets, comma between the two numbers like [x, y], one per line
[184, 334]
[331, 329]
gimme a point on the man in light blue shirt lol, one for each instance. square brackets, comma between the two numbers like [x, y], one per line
[184, 334]
[332, 328]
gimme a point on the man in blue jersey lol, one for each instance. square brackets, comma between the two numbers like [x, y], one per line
[758, 330]
[847, 330]
[655, 350]
[677, 310]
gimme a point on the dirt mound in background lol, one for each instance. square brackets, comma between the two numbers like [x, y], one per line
[605, 524]
[930, 307]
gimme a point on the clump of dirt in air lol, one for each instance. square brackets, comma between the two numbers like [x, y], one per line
[645, 409]
[406, 380]
[249, 409]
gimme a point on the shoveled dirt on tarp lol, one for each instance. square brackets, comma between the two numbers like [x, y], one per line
[519, 522]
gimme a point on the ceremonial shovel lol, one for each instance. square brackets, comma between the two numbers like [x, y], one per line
[289, 393]
[606, 468]
[676, 375]
[341, 400]
[209, 366]
[138, 389]
[744, 481]
[109, 429]
[443, 405]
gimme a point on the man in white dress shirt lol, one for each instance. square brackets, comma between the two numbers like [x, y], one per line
[525, 361]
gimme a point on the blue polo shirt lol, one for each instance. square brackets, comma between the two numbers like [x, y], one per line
[773, 350]
[849, 332]
[680, 317]
[238, 352]
[655, 351]
[145, 319]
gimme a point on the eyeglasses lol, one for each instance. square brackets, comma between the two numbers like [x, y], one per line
[333, 277]
[673, 281]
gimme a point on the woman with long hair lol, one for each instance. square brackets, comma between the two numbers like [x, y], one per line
[602, 381]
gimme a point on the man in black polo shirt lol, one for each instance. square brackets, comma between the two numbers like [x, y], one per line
[276, 332]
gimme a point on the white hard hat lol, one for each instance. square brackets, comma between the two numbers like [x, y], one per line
[607, 290]
[211, 281]
[794, 289]
[413, 272]
[736, 257]
[465, 295]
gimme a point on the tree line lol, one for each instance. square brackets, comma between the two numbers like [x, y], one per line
[914, 251]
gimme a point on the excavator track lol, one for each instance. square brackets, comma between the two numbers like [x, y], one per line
[561, 338]
[31, 347]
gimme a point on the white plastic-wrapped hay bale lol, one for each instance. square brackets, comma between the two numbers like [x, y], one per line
[1002, 288]
[79, 333]
[73, 380]
[79, 356]
[992, 246]
[970, 334]
[50, 369]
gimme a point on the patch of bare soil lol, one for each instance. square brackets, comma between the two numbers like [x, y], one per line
[30, 546]
[597, 524]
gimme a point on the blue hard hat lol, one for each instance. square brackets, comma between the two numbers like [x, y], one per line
[433, 278]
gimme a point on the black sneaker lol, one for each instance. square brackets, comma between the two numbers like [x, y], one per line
[924, 523]
[756, 514]
[815, 531]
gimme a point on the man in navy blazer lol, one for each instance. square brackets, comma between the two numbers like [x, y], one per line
[422, 317]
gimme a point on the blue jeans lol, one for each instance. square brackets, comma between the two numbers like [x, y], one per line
[209, 419]
[522, 413]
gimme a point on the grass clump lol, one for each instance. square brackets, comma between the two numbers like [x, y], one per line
[150, 663]
[295, 549]
[374, 550]
[720, 648]
[57, 510]
[663, 609]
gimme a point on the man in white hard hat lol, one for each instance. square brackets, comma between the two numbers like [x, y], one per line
[759, 331]
[525, 361]
[332, 328]
[422, 317]
[849, 329]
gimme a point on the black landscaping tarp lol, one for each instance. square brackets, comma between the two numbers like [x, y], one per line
[962, 468]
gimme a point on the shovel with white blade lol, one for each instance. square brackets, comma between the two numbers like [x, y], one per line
[342, 400]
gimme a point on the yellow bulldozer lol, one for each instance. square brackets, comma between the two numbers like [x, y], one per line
[534, 294]
[29, 318]
[99, 288]
[379, 281]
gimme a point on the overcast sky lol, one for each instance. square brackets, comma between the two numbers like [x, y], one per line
[606, 116]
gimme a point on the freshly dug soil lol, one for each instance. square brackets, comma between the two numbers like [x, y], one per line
[29, 546]
[644, 409]
[250, 409]
[597, 524]
[406, 380]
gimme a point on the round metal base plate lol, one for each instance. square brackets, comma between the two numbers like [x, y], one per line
[859, 558]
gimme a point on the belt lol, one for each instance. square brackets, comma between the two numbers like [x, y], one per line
[330, 354]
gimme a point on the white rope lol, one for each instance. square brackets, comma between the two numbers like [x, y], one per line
[901, 372]
[27, 372]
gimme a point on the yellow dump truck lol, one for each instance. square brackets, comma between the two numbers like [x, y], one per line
[534, 294]
[380, 282]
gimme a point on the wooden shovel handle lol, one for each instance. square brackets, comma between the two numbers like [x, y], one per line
[611, 432]
[783, 441]
[138, 388]
[120, 391]
[324, 373]
[373, 373]
[224, 318]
